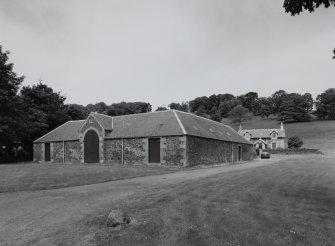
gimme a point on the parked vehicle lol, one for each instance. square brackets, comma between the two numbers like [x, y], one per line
[265, 155]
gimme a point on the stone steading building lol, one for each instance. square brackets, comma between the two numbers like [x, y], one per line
[166, 137]
[265, 138]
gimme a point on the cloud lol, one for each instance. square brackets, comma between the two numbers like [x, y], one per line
[161, 51]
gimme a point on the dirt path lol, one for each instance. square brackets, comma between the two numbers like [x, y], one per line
[40, 217]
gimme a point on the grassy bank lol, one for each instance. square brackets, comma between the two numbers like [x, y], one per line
[288, 203]
[50, 176]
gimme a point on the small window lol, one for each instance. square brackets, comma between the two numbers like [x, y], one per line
[274, 145]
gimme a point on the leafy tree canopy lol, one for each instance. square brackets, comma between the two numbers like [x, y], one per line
[294, 142]
[325, 104]
[161, 108]
[124, 108]
[238, 114]
[295, 108]
[295, 7]
[180, 106]
[10, 110]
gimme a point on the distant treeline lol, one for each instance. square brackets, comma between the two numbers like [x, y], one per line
[28, 112]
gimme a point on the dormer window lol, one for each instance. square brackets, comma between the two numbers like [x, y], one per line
[247, 136]
[274, 135]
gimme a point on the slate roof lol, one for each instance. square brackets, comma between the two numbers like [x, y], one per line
[153, 124]
[262, 133]
[202, 127]
[66, 132]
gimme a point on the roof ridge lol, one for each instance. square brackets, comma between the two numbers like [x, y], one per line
[164, 111]
[179, 122]
[263, 129]
[203, 118]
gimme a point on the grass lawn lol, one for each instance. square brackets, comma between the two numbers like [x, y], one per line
[290, 202]
[19, 177]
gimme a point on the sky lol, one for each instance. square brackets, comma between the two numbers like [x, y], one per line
[163, 51]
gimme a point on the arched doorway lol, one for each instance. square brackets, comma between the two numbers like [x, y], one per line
[91, 147]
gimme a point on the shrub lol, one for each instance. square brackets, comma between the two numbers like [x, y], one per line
[294, 142]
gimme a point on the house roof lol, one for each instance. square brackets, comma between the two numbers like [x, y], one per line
[67, 132]
[153, 124]
[202, 127]
[262, 133]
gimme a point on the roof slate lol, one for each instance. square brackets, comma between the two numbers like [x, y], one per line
[202, 127]
[154, 124]
[69, 131]
[262, 133]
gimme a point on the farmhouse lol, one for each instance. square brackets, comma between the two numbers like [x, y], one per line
[167, 137]
[265, 138]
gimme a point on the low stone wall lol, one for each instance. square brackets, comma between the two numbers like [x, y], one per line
[248, 152]
[57, 154]
[202, 151]
[135, 151]
[173, 150]
[113, 151]
[72, 152]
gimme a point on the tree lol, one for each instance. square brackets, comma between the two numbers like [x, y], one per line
[181, 107]
[295, 7]
[261, 102]
[161, 108]
[76, 112]
[99, 107]
[248, 99]
[294, 142]
[309, 101]
[295, 108]
[238, 114]
[265, 111]
[276, 100]
[216, 117]
[44, 111]
[209, 106]
[124, 108]
[43, 98]
[11, 113]
[226, 106]
[325, 104]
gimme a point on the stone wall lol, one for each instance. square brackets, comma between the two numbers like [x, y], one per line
[113, 151]
[91, 122]
[57, 154]
[173, 150]
[72, 152]
[38, 152]
[202, 151]
[135, 151]
[280, 143]
[248, 152]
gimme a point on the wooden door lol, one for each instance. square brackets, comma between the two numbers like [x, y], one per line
[91, 147]
[154, 150]
[240, 153]
[47, 152]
